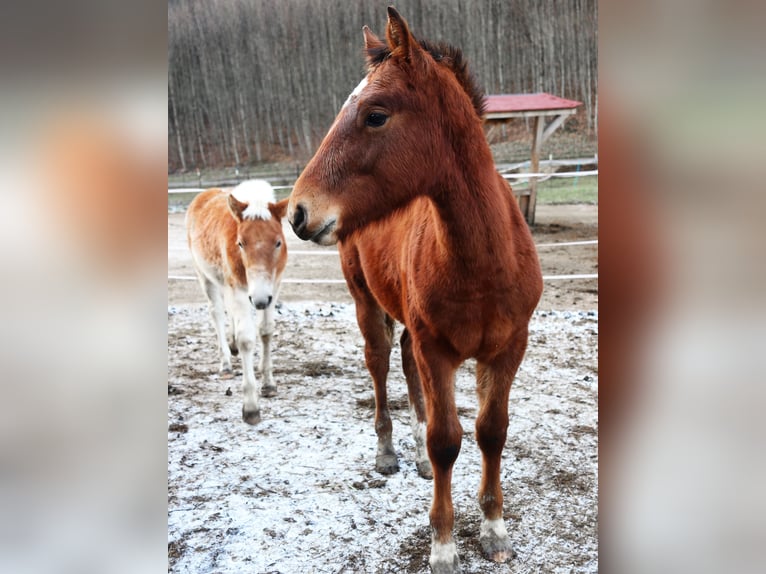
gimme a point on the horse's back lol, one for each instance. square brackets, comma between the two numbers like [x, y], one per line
[205, 207]
[208, 225]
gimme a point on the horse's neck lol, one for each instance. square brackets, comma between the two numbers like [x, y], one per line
[472, 218]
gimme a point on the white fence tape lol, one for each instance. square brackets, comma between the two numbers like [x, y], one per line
[505, 175]
[548, 175]
[343, 281]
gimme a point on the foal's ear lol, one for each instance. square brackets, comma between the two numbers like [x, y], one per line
[236, 207]
[373, 46]
[279, 209]
[398, 34]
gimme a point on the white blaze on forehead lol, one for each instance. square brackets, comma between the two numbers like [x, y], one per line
[358, 90]
[353, 96]
[257, 194]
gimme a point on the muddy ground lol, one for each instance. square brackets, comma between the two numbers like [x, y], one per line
[298, 492]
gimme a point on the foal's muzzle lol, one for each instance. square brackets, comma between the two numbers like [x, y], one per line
[298, 220]
[321, 233]
[261, 304]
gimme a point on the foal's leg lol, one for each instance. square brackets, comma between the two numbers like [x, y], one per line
[443, 437]
[493, 384]
[244, 331]
[378, 331]
[214, 296]
[417, 407]
[265, 330]
[231, 337]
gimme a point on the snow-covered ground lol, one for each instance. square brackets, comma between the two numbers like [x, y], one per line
[298, 493]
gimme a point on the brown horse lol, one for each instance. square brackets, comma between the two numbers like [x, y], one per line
[239, 253]
[431, 236]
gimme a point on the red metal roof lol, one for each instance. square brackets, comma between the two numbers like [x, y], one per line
[500, 103]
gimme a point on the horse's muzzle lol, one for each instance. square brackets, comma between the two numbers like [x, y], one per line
[261, 304]
[299, 220]
[323, 235]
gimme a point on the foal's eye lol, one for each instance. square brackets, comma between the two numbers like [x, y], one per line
[241, 245]
[279, 244]
[375, 119]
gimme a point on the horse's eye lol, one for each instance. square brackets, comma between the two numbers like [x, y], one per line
[375, 120]
[279, 244]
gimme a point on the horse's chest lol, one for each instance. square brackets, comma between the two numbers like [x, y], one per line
[472, 324]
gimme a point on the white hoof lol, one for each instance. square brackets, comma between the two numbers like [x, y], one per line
[495, 541]
[444, 558]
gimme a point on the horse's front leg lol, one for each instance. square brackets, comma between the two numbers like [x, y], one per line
[444, 436]
[266, 330]
[244, 330]
[493, 384]
[378, 330]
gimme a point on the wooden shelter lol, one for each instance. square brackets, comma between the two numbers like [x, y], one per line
[540, 108]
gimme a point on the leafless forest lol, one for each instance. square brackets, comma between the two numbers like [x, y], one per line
[257, 80]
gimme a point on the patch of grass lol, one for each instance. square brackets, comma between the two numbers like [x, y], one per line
[568, 190]
[557, 190]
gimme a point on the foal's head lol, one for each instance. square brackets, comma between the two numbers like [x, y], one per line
[260, 240]
[404, 131]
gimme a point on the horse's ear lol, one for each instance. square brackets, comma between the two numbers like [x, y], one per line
[398, 34]
[279, 209]
[373, 45]
[236, 207]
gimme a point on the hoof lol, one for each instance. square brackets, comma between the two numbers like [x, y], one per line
[252, 417]
[225, 372]
[425, 470]
[444, 559]
[234, 349]
[386, 464]
[495, 541]
[270, 391]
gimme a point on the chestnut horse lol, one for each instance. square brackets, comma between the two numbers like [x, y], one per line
[431, 236]
[239, 253]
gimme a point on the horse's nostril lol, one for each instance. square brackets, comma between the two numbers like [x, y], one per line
[299, 218]
[268, 301]
[251, 300]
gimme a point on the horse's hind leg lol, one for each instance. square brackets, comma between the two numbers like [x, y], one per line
[214, 296]
[417, 407]
[232, 340]
[378, 331]
[231, 336]
[493, 384]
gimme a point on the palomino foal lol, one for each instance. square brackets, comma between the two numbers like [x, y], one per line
[239, 252]
[431, 236]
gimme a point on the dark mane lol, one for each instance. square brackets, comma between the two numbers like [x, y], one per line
[448, 56]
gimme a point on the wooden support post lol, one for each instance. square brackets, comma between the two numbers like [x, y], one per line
[537, 143]
[553, 126]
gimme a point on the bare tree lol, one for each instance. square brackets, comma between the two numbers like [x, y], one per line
[250, 80]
